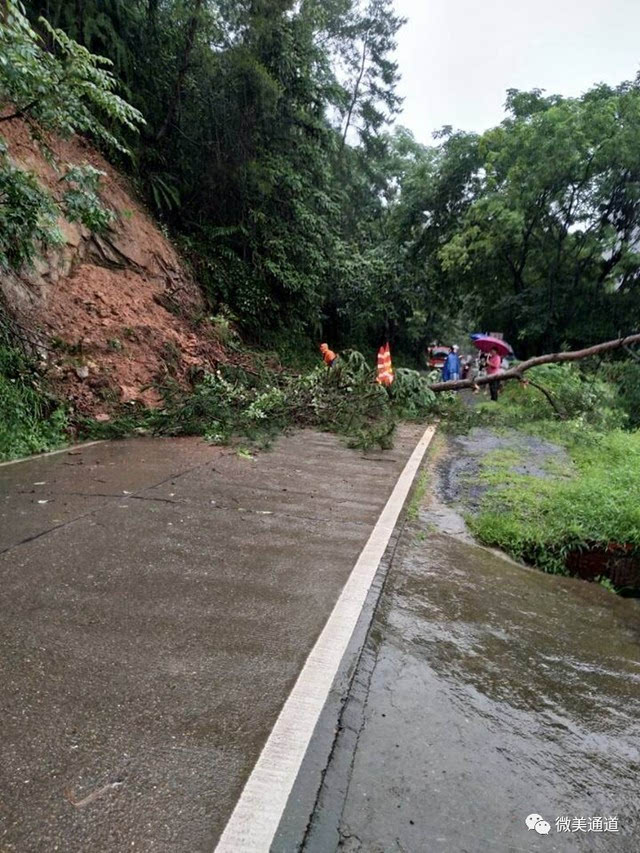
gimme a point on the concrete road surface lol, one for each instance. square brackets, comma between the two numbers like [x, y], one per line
[159, 598]
[486, 692]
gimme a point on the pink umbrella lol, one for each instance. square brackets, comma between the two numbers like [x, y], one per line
[486, 344]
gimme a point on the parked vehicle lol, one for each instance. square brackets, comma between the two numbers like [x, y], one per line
[436, 356]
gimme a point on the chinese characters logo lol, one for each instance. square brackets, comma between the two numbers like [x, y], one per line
[587, 824]
[572, 824]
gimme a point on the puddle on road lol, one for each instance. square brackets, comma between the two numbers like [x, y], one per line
[539, 676]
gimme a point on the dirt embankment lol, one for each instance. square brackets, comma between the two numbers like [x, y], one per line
[108, 314]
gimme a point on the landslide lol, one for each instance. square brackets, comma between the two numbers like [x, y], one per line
[111, 315]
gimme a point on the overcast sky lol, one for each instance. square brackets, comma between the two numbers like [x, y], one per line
[458, 57]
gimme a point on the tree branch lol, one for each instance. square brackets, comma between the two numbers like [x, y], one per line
[21, 112]
[551, 358]
[552, 402]
[356, 91]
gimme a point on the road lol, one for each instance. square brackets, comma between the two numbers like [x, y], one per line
[485, 692]
[159, 599]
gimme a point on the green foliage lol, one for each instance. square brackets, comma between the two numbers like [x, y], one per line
[626, 376]
[411, 394]
[28, 216]
[546, 241]
[81, 201]
[541, 520]
[580, 395]
[31, 420]
[29, 213]
[65, 88]
[164, 193]
[232, 402]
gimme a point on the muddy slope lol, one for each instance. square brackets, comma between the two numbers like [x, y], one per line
[108, 314]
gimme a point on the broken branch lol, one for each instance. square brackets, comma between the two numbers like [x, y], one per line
[551, 358]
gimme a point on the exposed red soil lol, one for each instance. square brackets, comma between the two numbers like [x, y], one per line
[110, 314]
[123, 335]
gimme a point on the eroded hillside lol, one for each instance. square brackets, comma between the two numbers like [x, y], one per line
[108, 314]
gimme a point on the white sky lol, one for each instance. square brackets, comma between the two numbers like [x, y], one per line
[458, 57]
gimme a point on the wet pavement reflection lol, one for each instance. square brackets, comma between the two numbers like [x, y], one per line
[494, 691]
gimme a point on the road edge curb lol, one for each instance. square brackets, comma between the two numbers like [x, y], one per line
[256, 817]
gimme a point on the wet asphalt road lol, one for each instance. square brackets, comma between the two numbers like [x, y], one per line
[159, 598]
[486, 692]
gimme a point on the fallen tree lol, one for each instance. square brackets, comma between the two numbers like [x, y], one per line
[518, 371]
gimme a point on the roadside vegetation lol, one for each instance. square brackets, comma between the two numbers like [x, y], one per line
[590, 499]
[260, 135]
[31, 419]
[259, 402]
[254, 403]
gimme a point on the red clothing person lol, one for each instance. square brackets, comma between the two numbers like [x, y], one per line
[494, 363]
[493, 366]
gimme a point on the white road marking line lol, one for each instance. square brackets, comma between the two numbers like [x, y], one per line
[255, 819]
[70, 448]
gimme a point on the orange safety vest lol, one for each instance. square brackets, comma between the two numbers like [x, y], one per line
[385, 370]
[328, 355]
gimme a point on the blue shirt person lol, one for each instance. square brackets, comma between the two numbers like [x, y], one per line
[452, 367]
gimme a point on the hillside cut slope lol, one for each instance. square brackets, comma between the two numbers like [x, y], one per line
[109, 315]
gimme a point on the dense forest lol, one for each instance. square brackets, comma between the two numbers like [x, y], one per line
[264, 138]
[262, 134]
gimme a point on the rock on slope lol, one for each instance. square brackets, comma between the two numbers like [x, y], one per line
[108, 314]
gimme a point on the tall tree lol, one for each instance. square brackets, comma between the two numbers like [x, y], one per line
[370, 96]
[551, 236]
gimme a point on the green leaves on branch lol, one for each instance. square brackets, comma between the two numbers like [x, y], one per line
[81, 201]
[65, 89]
[28, 216]
[346, 400]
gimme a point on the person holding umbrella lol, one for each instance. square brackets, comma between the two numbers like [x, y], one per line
[495, 348]
[494, 364]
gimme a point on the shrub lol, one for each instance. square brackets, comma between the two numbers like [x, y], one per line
[31, 420]
[576, 393]
[27, 215]
[626, 376]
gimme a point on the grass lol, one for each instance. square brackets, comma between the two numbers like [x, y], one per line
[417, 497]
[593, 497]
[31, 420]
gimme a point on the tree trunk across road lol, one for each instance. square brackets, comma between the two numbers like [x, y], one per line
[551, 358]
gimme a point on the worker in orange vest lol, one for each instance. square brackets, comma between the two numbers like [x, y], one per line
[328, 355]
